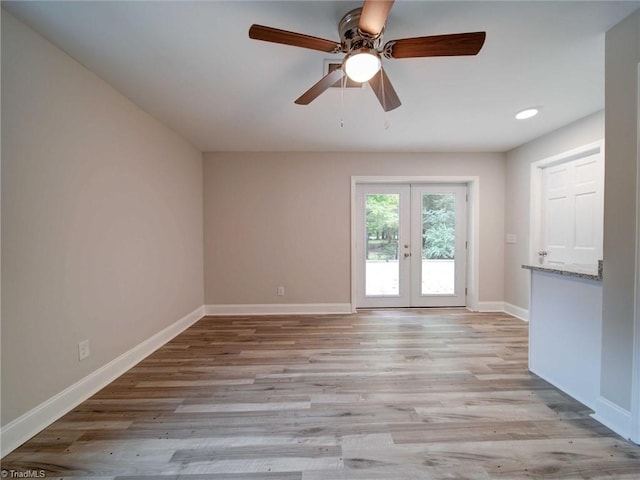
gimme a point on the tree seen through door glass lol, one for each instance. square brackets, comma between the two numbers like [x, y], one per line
[382, 222]
[438, 244]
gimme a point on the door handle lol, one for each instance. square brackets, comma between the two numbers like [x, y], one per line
[543, 253]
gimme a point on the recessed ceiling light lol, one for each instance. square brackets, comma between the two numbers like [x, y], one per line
[527, 113]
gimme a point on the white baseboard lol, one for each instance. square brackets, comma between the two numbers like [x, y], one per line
[489, 307]
[516, 311]
[613, 416]
[279, 309]
[35, 420]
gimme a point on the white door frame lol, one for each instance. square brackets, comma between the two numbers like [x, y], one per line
[473, 226]
[535, 220]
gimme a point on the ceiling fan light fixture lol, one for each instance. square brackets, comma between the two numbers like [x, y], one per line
[362, 64]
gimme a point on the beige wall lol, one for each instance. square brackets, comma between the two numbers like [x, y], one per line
[622, 54]
[284, 219]
[101, 222]
[518, 182]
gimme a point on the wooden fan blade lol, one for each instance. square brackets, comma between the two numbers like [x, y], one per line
[374, 15]
[385, 92]
[275, 35]
[438, 45]
[325, 82]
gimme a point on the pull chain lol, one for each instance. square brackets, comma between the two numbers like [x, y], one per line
[343, 83]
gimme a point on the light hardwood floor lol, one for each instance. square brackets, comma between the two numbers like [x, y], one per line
[380, 395]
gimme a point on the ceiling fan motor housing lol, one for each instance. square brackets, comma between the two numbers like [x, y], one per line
[352, 38]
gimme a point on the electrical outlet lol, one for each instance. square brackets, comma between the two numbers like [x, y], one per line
[280, 291]
[83, 350]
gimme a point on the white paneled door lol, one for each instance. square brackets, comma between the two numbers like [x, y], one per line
[411, 245]
[572, 212]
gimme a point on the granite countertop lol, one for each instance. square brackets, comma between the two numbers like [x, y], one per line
[590, 272]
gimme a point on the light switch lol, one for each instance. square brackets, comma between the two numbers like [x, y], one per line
[511, 238]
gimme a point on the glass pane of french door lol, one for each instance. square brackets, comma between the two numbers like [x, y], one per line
[382, 214]
[438, 243]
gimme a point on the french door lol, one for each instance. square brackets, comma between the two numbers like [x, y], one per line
[410, 245]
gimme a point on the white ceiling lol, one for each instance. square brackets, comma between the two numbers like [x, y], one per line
[192, 65]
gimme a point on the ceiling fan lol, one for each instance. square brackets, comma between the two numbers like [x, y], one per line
[361, 31]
